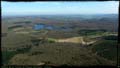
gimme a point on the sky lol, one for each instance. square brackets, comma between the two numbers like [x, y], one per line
[54, 8]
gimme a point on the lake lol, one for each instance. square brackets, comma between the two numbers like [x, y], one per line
[49, 27]
[42, 26]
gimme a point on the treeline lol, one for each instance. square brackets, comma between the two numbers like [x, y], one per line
[16, 26]
[91, 31]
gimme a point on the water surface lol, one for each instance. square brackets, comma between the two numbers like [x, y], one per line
[49, 27]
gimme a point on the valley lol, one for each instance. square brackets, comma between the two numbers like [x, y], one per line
[60, 40]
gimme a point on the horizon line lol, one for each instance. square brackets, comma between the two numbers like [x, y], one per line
[64, 14]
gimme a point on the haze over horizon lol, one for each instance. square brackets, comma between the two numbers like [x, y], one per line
[58, 8]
